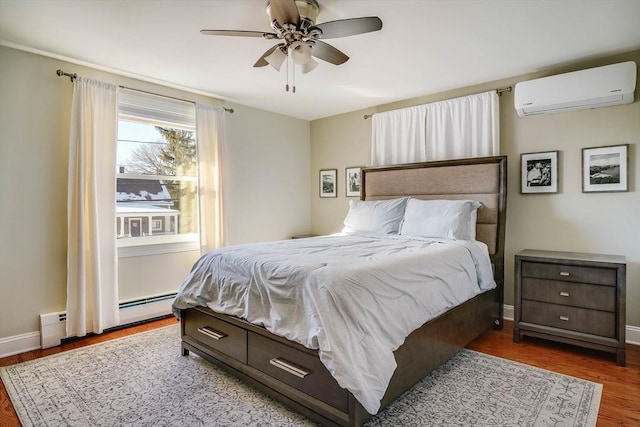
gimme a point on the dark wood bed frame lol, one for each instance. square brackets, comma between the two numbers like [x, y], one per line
[256, 356]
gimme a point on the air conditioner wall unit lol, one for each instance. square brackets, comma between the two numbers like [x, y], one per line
[591, 88]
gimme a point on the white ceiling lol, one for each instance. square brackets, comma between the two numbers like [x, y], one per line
[424, 47]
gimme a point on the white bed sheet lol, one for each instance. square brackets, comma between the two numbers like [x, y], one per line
[355, 298]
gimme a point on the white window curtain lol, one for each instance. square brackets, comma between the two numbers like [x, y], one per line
[456, 128]
[92, 280]
[210, 132]
[399, 136]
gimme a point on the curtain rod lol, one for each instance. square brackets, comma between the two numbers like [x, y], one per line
[498, 91]
[74, 76]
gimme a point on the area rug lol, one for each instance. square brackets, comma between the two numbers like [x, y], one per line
[142, 380]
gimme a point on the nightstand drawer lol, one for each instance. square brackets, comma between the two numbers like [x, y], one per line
[570, 273]
[594, 322]
[217, 334]
[567, 293]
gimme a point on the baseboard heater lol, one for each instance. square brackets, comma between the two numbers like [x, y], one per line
[53, 325]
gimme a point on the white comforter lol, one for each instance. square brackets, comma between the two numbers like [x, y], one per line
[355, 298]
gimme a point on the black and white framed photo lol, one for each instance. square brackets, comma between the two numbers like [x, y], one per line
[352, 181]
[328, 183]
[605, 169]
[539, 172]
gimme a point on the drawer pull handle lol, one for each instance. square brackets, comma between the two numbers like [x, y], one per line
[564, 318]
[565, 273]
[289, 367]
[211, 333]
[564, 294]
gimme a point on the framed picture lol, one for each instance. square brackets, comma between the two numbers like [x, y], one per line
[352, 181]
[605, 169]
[328, 183]
[539, 172]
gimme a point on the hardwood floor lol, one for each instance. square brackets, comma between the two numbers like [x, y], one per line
[620, 404]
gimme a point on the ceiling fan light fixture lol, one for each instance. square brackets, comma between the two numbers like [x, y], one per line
[300, 52]
[295, 27]
[276, 58]
[309, 66]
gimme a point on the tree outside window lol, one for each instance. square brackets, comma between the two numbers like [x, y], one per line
[157, 180]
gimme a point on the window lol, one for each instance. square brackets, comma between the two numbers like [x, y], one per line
[157, 175]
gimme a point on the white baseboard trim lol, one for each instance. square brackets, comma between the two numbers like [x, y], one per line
[17, 344]
[53, 325]
[31, 340]
[632, 335]
[507, 312]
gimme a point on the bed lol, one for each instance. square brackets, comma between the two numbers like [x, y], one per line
[299, 375]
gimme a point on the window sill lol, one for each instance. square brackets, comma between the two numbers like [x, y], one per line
[144, 246]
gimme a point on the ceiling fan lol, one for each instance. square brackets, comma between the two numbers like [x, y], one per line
[294, 23]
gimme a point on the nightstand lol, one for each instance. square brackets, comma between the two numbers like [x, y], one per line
[303, 236]
[574, 298]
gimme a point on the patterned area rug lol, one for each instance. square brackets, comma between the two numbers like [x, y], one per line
[142, 380]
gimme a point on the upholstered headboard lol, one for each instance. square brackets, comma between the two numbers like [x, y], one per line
[483, 179]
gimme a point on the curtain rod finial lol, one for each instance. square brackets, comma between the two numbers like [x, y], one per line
[501, 91]
[72, 77]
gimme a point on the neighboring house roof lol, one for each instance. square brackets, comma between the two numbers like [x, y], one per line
[129, 190]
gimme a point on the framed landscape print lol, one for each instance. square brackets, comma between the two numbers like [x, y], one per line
[605, 169]
[352, 181]
[328, 183]
[539, 172]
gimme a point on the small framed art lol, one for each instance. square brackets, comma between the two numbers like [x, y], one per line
[605, 169]
[539, 172]
[352, 181]
[328, 183]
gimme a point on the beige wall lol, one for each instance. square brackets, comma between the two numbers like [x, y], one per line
[271, 169]
[266, 168]
[267, 178]
[569, 221]
[336, 142]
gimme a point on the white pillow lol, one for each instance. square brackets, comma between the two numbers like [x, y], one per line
[441, 219]
[473, 222]
[377, 216]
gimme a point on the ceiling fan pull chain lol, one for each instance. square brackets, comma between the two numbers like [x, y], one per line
[294, 23]
[287, 86]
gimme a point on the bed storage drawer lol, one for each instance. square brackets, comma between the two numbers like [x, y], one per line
[217, 334]
[299, 369]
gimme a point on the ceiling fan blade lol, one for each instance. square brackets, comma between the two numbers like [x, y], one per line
[262, 61]
[328, 53]
[239, 33]
[284, 11]
[349, 27]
